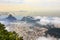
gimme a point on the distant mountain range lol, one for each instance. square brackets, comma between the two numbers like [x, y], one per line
[35, 20]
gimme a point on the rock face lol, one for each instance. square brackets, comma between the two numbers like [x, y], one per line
[11, 18]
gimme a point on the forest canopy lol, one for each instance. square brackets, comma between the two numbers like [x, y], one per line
[5, 35]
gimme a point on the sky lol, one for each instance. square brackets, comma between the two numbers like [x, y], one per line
[30, 5]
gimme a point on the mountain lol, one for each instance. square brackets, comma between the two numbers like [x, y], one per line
[7, 19]
[29, 19]
[35, 21]
[11, 18]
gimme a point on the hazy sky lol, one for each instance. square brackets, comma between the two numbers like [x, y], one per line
[30, 5]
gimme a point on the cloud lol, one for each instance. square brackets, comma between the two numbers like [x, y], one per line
[11, 1]
[48, 38]
[38, 5]
[43, 2]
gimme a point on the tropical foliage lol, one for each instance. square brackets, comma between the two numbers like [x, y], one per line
[5, 35]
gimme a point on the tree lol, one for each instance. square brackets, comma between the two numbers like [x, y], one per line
[5, 35]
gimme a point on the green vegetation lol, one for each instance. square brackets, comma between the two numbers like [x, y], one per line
[5, 35]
